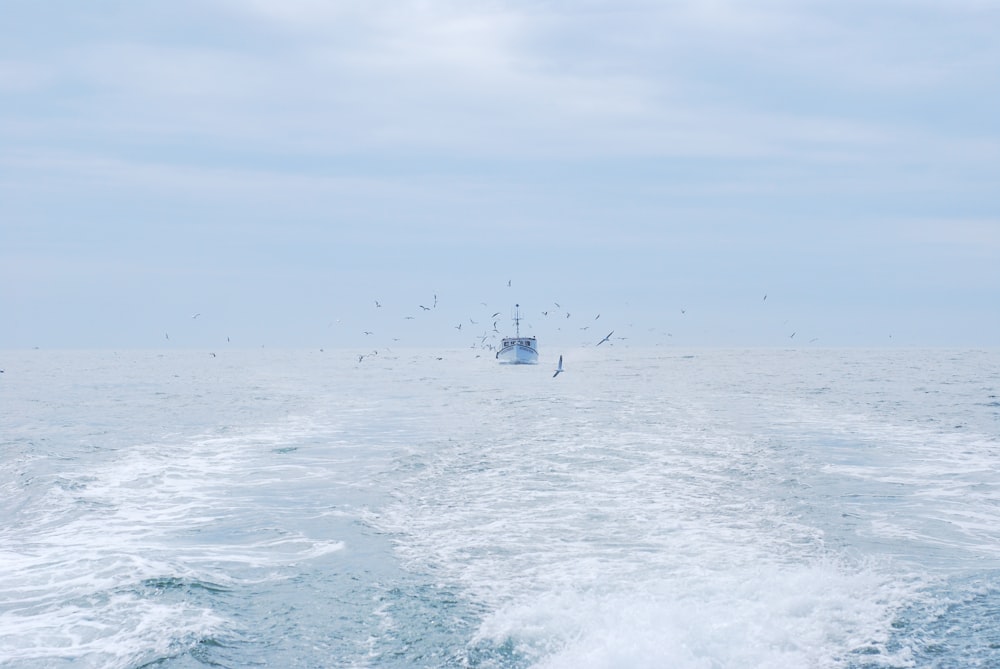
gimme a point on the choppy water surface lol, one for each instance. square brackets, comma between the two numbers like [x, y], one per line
[647, 508]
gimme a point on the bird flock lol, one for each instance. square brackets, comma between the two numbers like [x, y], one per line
[482, 327]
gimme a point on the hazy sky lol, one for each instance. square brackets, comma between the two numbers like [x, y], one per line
[277, 166]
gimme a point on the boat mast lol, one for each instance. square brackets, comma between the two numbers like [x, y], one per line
[517, 321]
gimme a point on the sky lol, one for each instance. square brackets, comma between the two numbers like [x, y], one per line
[298, 173]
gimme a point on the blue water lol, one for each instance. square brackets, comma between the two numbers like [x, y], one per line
[647, 508]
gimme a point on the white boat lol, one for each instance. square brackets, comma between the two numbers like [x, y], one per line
[518, 350]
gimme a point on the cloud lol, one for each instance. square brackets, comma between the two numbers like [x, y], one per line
[21, 76]
[681, 79]
[978, 236]
[483, 79]
[585, 107]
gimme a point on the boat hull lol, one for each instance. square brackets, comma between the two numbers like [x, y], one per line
[518, 354]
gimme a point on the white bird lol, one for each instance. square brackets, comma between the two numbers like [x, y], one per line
[606, 338]
[559, 368]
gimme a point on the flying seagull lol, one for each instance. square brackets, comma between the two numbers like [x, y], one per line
[606, 338]
[558, 368]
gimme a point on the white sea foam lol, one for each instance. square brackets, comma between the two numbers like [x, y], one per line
[769, 616]
[104, 542]
[123, 630]
[679, 527]
[707, 509]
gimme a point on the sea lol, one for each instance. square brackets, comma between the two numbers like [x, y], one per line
[647, 508]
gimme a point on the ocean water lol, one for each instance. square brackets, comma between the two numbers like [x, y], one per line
[647, 508]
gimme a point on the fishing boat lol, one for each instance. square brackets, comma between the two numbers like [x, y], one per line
[518, 350]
